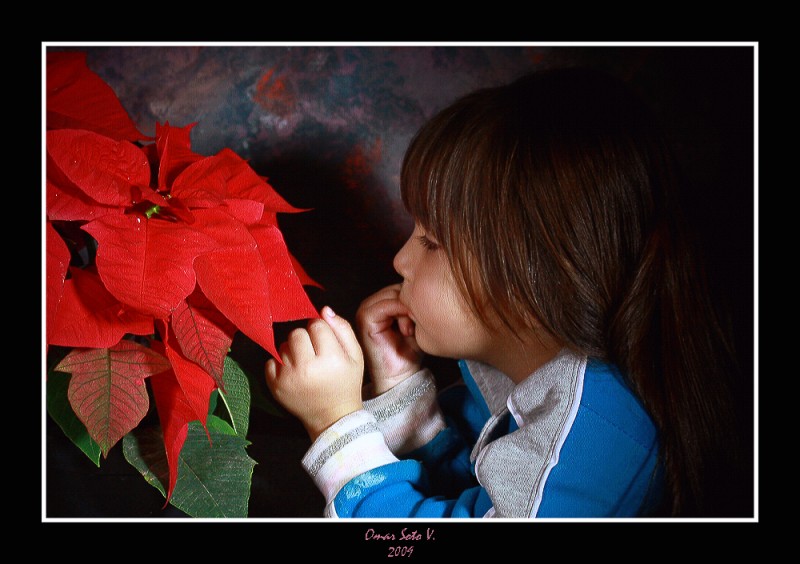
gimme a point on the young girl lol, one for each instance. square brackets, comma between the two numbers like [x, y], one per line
[549, 256]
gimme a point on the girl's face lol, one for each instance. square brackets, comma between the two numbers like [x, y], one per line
[444, 324]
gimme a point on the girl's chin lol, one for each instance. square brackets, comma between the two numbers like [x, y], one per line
[424, 344]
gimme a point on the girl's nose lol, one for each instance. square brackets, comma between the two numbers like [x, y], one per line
[402, 260]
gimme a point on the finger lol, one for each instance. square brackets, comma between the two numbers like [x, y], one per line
[322, 337]
[271, 370]
[343, 332]
[297, 346]
[283, 352]
[382, 315]
[406, 326]
[382, 294]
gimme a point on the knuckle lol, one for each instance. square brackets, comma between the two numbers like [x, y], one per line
[297, 335]
[363, 313]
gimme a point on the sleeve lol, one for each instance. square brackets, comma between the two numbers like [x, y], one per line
[396, 458]
[408, 415]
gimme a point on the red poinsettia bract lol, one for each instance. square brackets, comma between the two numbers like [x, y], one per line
[146, 238]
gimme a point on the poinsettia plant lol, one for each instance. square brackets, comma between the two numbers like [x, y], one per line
[155, 257]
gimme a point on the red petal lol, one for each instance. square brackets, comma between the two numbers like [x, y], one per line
[289, 300]
[201, 184]
[203, 334]
[58, 257]
[147, 263]
[89, 316]
[174, 153]
[195, 382]
[70, 204]
[77, 98]
[236, 283]
[246, 211]
[244, 183]
[250, 278]
[234, 277]
[305, 279]
[175, 413]
[67, 202]
[179, 137]
[105, 169]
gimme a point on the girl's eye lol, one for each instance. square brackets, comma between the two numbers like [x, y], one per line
[427, 243]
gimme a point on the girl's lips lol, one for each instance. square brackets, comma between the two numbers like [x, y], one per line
[408, 310]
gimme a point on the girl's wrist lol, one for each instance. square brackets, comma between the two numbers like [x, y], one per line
[381, 386]
[319, 425]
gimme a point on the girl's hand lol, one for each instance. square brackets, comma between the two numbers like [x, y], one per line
[387, 334]
[322, 373]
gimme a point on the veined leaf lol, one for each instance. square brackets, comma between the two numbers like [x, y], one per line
[289, 299]
[65, 202]
[203, 333]
[305, 279]
[250, 277]
[237, 396]
[201, 184]
[213, 478]
[58, 257]
[88, 316]
[107, 390]
[59, 409]
[243, 182]
[147, 263]
[144, 450]
[174, 153]
[108, 171]
[78, 98]
[175, 412]
[195, 383]
[219, 423]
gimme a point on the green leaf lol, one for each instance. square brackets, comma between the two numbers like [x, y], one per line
[144, 450]
[251, 358]
[212, 401]
[236, 396]
[213, 478]
[59, 408]
[220, 425]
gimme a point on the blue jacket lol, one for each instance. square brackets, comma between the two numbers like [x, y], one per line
[569, 441]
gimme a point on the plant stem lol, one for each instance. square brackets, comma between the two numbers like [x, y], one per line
[230, 415]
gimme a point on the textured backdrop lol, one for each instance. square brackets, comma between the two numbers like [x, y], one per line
[328, 126]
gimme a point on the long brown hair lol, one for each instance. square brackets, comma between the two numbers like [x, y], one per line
[556, 199]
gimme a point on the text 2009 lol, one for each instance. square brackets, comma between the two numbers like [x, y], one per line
[400, 551]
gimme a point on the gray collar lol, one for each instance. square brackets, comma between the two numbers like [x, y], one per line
[513, 468]
[494, 385]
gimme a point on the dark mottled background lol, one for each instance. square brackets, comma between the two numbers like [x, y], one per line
[328, 125]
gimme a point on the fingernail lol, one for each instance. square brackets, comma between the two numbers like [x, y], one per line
[328, 312]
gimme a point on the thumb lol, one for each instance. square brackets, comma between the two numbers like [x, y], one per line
[343, 331]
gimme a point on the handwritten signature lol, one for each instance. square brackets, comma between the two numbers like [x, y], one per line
[406, 535]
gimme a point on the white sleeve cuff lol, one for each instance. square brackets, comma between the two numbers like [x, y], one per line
[408, 415]
[351, 446]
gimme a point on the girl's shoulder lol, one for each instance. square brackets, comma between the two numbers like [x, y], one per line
[607, 397]
[608, 463]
